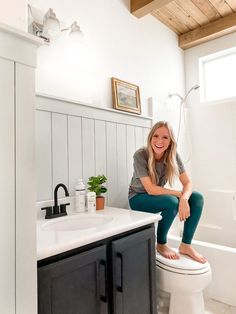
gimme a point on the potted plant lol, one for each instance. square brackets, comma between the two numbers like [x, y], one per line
[95, 184]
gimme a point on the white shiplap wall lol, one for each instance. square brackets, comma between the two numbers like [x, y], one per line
[77, 141]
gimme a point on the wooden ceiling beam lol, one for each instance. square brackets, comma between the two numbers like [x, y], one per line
[232, 4]
[140, 8]
[218, 28]
[168, 22]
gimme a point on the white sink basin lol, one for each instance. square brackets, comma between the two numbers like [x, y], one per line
[77, 222]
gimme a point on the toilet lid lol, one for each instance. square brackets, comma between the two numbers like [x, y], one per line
[182, 265]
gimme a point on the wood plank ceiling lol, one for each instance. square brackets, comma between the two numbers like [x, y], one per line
[195, 21]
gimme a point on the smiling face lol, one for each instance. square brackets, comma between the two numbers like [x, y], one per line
[160, 141]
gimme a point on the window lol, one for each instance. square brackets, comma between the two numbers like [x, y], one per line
[218, 75]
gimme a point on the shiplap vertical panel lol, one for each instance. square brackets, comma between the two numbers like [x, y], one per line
[122, 179]
[7, 188]
[100, 148]
[43, 155]
[59, 150]
[95, 147]
[138, 137]
[26, 244]
[74, 152]
[111, 162]
[145, 136]
[130, 141]
[88, 149]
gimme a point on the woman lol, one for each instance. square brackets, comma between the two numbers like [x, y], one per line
[154, 166]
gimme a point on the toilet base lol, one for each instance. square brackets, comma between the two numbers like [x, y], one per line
[163, 301]
[187, 303]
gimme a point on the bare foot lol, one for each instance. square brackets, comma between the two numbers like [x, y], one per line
[165, 251]
[187, 249]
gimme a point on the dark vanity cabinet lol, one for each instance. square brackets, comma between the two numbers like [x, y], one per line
[133, 265]
[115, 275]
[76, 284]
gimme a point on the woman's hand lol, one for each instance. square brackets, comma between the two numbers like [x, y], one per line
[184, 209]
[178, 194]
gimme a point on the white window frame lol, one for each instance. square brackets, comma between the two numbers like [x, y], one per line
[202, 62]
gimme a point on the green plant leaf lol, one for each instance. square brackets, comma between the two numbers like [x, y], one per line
[95, 184]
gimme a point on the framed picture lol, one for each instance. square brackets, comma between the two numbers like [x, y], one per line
[125, 96]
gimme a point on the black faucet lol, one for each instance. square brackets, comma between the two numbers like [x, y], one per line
[57, 211]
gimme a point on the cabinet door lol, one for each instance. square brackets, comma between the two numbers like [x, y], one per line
[134, 286]
[74, 285]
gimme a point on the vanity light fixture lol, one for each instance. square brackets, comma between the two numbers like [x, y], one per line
[51, 24]
[50, 27]
[73, 28]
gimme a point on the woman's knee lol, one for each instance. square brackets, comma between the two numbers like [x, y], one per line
[143, 202]
[171, 204]
[196, 199]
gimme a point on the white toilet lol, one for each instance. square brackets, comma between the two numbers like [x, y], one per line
[184, 279]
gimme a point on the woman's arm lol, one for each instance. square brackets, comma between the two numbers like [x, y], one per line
[187, 185]
[184, 210]
[153, 189]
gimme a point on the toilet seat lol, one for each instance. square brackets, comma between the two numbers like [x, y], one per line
[183, 265]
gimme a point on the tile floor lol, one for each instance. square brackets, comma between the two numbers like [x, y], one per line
[211, 306]
[215, 307]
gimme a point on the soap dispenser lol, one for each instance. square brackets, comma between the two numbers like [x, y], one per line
[80, 196]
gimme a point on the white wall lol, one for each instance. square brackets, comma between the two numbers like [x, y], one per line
[140, 51]
[213, 139]
[14, 13]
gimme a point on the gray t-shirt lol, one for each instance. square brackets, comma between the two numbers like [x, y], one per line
[141, 170]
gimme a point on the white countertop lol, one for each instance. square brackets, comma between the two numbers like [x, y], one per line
[51, 242]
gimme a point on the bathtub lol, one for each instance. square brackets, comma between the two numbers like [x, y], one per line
[219, 247]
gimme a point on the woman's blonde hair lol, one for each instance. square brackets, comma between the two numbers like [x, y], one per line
[169, 157]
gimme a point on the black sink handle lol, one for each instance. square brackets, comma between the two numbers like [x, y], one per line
[63, 208]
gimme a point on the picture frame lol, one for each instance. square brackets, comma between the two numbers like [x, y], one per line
[126, 96]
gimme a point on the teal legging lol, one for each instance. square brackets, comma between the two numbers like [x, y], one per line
[168, 206]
